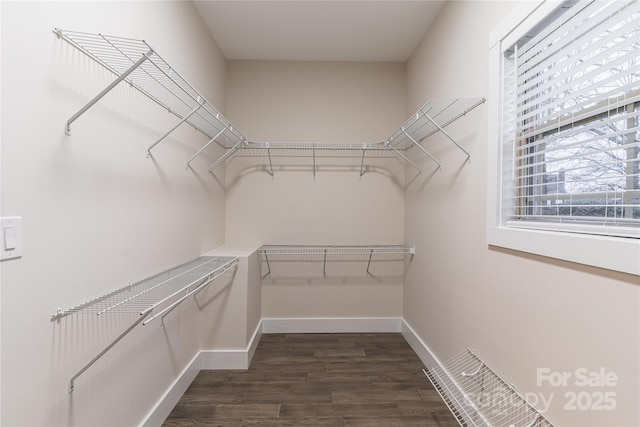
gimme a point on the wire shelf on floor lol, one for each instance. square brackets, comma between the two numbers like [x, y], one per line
[478, 396]
[152, 297]
[332, 253]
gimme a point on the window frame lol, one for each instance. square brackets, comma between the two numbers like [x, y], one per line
[569, 243]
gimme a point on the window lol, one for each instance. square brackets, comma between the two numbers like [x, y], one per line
[569, 123]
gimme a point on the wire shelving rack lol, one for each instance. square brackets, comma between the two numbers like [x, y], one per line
[137, 63]
[329, 253]
[431, 118]
[477, 396]
[152, 297]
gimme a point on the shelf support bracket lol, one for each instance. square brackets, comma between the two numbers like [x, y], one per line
[67, 129]
[364, 147]
[448, 136]
[226, 155]
[324, 266]
[270, 164]
[184, 119]
[164, 312]
[404, 157]
[107, 348]
[266, 258]
[206, 145]
[422, 148]
[313, 150]
[369, 263]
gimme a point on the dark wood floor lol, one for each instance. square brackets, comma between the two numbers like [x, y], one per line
[344, 380]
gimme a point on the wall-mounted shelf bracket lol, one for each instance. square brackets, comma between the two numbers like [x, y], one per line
[268, 146]
[364, 148]
[400, 154]
[184, 119]
[444, 132]
[415, 143]
[212, 140]
[313, 153]
[226, 155]
[98, 97]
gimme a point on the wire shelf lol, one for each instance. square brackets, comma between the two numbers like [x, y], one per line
[333, 253]
[310, 250]
[145, 295]
[152, 297]
[319, 150]
[432, 117]
[478, 396]
[137, 63]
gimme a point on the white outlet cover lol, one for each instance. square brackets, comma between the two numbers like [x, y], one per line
[13, 222]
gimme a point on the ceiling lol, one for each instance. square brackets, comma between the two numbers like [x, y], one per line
[318, 30]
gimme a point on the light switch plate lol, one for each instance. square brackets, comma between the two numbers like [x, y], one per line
[11, 237]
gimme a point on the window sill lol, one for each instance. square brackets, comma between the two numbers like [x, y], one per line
[612, 253]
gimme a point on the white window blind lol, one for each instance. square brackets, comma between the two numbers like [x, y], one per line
[571, 121]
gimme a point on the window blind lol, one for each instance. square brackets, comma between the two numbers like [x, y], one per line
[571, 121]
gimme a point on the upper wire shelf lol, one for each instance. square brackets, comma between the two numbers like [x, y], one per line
[431, 118]
[137, 63]
[152, 297]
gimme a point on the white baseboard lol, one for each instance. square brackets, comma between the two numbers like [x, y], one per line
[331, 325]
[205, 359]
[415, 342]
[171, 397]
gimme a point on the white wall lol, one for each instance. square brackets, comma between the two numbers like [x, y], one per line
[327, 103]
[96, 212]
[520, 312]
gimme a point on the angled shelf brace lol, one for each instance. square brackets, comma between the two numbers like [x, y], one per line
[138, 64]
[432, 117]
[368, 253]
[478, 396]
[153, 297]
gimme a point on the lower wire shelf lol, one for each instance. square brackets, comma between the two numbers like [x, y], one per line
[328, 253]
[153, 297]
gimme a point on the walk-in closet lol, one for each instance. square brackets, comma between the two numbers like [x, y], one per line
[320, 213]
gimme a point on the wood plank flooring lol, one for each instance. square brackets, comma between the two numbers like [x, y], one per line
[337, 380]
